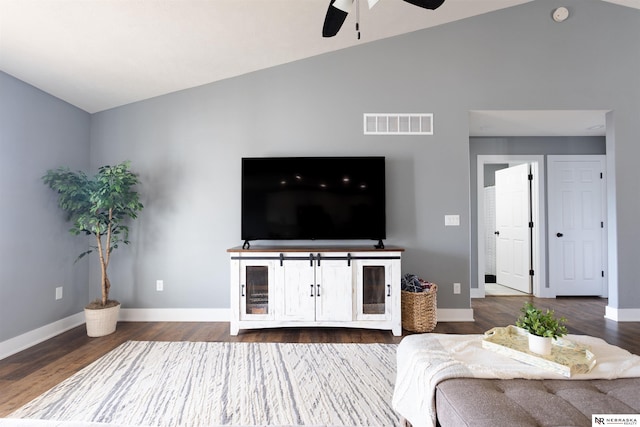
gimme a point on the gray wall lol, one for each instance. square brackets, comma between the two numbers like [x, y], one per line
[490, 174]
[37, 132]
[188, 145]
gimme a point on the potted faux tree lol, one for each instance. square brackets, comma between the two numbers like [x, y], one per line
[543, 327]
[98, 206]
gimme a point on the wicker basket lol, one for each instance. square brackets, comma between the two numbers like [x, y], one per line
[419, 310]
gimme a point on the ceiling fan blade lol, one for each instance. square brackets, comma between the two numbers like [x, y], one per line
[343, 5]
[334, 19]
[427, 4]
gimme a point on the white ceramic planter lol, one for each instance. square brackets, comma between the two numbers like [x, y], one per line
[540, 345]
[102, 321]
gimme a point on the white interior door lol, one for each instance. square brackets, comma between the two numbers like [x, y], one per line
[576, 225]
[513, 243]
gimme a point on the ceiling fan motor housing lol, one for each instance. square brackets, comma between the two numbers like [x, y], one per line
[339, 9]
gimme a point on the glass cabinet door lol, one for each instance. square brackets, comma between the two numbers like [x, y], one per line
[256, 291]
[374, 290]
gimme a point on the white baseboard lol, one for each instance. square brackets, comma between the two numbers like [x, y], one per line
[31, 338]
[477, 293]
[455, 315]
[622, 314]
[175, 314]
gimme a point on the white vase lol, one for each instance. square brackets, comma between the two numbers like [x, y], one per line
[540, 345]
[102, 321]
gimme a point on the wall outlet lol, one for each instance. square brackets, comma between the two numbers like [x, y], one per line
[58, 293]
[159, 285]
[456, 288]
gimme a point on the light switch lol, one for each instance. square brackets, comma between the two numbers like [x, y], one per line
[451, 220]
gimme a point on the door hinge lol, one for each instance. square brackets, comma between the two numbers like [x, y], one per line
[530, 224]
[530, 272]
[530, 177]
[602, 273]
[601, 175]
[601, 224]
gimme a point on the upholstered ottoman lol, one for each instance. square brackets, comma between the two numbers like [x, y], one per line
[451, 380]
[519, 402]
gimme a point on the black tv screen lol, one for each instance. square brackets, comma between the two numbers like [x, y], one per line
[313, 198]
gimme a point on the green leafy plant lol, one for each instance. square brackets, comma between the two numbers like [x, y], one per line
[100, 206]
[541, 323]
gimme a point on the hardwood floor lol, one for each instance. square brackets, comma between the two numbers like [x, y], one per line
[31, 372]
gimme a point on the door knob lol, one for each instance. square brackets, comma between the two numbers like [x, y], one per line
[559, 234]
[497, 233]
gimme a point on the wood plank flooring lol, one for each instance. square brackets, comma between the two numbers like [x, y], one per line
[29, 373]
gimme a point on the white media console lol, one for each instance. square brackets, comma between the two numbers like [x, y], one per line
[354, 287]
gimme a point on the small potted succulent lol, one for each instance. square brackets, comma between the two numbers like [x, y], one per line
[543, 327]
[100, 206]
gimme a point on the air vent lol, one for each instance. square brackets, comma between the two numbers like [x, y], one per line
[398, 124]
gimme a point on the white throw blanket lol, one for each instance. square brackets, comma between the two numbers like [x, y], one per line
[427, 359]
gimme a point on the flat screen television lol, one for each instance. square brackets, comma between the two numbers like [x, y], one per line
[313, 198]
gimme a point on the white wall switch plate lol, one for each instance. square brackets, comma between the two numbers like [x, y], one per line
[456, 288]
[59, 292]
[159, 285]
[451, 220]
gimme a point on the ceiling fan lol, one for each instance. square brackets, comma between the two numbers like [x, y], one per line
[339, 9]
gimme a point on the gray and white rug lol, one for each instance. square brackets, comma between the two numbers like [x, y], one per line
[208, 384]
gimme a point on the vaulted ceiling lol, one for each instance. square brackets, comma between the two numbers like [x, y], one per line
[100, 54]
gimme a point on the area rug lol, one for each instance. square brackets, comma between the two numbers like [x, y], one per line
[241, 384]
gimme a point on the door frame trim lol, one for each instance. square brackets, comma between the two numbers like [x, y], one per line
[539, 252]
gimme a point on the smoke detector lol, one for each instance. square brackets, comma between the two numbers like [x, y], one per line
[560, 14]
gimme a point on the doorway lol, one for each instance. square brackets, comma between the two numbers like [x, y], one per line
[530, 260]
[541, 132]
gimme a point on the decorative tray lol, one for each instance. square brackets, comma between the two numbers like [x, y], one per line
[567, 358]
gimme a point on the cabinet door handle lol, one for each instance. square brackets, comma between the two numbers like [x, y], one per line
[311, 290]
[388, 290]
[242, 289]
[318, 290]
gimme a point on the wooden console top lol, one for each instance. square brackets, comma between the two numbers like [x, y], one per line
[363, 248]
